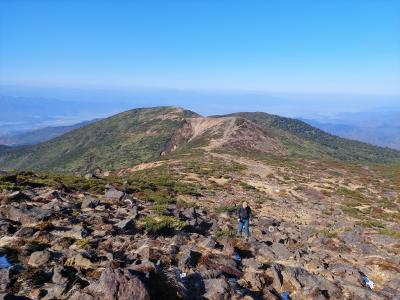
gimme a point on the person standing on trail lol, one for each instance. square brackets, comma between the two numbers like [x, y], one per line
[244, 213]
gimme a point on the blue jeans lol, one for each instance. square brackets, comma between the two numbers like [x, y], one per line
[245, 223]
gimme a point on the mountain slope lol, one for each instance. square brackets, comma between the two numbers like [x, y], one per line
[41, 135]
[119, 141]
[308, 141]
[384, 135]
[144, 135]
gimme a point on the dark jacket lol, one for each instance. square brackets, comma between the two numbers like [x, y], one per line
[244, 213]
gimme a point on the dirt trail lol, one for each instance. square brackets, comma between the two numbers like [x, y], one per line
[145, 166]
[253, 167]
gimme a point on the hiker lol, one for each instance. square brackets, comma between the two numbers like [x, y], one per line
[244, 213]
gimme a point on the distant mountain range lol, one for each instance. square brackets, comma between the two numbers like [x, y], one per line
[149, 134]
[39, 135]
[377, 128]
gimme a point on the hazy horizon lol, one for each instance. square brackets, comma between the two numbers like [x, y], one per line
[340, 47]
[63, 62]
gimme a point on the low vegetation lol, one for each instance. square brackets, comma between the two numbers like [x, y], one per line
[161, 224]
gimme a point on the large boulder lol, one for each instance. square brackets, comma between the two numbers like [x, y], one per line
[76, 232]
[299, 279]
[118, 284]
[113, 194]
[30, 216]
[188, 258]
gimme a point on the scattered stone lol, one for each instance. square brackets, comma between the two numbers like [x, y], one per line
[39, 258]
[216, 288]
[80, 261]
[17, 196]
[4, 279]
[90, 202]
[127, 225]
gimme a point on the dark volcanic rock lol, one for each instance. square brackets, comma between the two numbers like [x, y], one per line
[17, 196]
[118, 285]
[127, 225]
[28, 216]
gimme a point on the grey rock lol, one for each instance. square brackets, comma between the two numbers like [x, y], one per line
[394, 284]
[361, 293]
[6, 227]
[266, 252]
[25, 232]
[4, 279]
[81, 296]
[127, 225]
[77, 232]
[39, 258]
[281, 251]
[58, 277]
[113, 194]
[300, 278]
[208, 243]
[28, 216]
[188, 258]
[251, 263]
[117, 284]
[277, 276]
[216, 288]
[90, 202]
[54, 291]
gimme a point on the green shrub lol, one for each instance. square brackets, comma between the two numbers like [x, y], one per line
[181, 203]
[247, 186]
[158, 197]
[352, 211]
[371, 223]
[225, 232]
[75, 213]
[355, 195]
[390, 232]
[83, 243]
[327, 233]
[161, 224]
[225, 208]
[159, 208]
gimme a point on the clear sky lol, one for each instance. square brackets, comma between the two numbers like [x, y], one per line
[341, 46]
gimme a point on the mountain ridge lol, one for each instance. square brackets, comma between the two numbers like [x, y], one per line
[148, 134]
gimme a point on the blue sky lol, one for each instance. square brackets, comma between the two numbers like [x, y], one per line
[347, 47]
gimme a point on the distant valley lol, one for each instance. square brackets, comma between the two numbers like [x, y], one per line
[39, 135]
[377, 128]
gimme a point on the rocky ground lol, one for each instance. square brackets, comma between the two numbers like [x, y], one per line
[64, 243]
